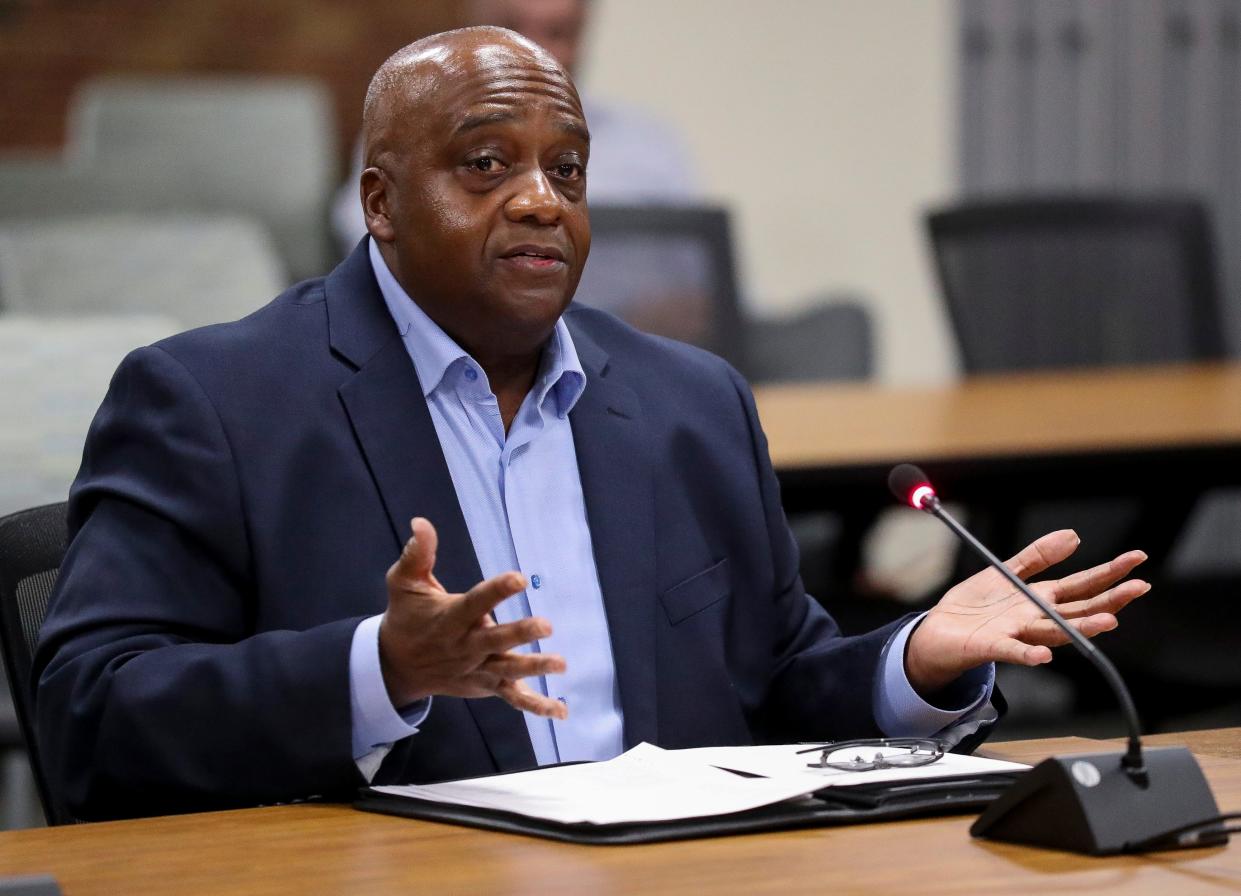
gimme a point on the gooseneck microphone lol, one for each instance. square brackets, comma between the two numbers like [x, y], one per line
[1091, 803]
[910, 485]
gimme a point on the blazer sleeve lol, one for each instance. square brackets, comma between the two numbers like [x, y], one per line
[822, 682]
[154, 693]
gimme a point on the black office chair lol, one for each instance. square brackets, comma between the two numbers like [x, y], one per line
[831, 339]
[1078, 282]
[1071, 282]
[32, 544]
[671, 270]
[668, 270]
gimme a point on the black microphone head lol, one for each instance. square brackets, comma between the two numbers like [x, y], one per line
[910, 486]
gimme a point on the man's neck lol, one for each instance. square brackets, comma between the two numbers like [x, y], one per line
[511, 372]
[511, 379]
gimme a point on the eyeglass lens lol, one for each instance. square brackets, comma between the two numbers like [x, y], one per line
[889, 757]
[888, 753]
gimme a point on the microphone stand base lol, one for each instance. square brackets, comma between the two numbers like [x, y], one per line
[1090, 804]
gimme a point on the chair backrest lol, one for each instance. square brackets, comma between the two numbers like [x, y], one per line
[668, 270]
[32, 544]
[831, 340]
[266, 147]
[1078, 281]
[55, 373]
[194, 269]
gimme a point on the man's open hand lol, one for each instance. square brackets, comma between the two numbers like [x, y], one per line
[433, 642]
[984, 619]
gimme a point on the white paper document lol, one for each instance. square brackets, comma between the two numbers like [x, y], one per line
[651, 784]
[643, 784]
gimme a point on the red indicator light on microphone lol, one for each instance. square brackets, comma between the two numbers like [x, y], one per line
[920, 494]
[913, 487]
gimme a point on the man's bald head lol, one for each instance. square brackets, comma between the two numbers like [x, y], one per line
[474, 190]
[418, 71]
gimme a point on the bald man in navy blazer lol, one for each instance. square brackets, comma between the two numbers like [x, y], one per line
[246, 493]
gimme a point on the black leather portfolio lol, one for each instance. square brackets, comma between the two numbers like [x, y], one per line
[830, 806]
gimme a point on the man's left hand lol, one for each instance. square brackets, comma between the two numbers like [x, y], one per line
[984, 619]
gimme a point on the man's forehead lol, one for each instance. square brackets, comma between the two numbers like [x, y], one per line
[437, 87]
[513, 90]
[459, 54]
[493, 86]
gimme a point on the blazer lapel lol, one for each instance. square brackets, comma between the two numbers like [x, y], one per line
[393, 426]
[617, 483]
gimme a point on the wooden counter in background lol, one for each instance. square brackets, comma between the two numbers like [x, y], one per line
[1093, 432]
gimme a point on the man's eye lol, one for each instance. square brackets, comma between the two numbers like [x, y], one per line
[568, 170]
[484, 164]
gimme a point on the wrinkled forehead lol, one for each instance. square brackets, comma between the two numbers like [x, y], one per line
[459, 84]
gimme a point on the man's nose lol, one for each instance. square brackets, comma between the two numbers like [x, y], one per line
[536, 198]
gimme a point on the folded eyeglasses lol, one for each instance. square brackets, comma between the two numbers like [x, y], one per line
[869, 754]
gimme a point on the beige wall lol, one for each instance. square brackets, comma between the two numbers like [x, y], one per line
[826, 125]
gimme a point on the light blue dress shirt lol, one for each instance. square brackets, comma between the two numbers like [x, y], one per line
[521, 496]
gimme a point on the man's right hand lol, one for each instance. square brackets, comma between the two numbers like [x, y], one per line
[432, 642]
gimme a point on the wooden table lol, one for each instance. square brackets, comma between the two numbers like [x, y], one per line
[1099, 432]
[334, 849]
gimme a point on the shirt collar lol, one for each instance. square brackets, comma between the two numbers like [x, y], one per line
[434, 352]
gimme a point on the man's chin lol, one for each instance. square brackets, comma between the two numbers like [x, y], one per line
[523, 322]
[535, 308]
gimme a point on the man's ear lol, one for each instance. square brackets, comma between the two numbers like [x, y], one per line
[374, 190]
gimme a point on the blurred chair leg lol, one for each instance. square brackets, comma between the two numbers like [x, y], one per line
[19, 799]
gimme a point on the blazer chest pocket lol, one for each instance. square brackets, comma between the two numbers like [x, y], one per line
[696, 593]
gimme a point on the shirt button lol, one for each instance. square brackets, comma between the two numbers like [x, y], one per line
[471, 374]
[536, 582]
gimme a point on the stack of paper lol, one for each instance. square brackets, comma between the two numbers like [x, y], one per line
[650, 784]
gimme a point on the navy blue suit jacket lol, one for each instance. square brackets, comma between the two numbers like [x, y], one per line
[245, 487]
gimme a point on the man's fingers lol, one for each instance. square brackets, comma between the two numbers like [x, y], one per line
[523, 665]
[1044, 552]
[1091, 581]
[1011, 650]
[483, 597]
[520, 696]
[499, 638]
[1046, 633]
[1111, 601]
[417, 559]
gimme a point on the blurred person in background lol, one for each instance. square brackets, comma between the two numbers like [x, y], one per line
[634, 158]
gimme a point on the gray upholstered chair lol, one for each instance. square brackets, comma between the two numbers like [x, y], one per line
[263, 147]
[193, 269]
[55, 372]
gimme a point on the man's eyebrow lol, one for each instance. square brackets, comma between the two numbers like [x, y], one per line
[577, 129]
[483, 119]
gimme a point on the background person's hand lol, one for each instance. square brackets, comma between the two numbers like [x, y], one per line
[432, 642]
[984, 619]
